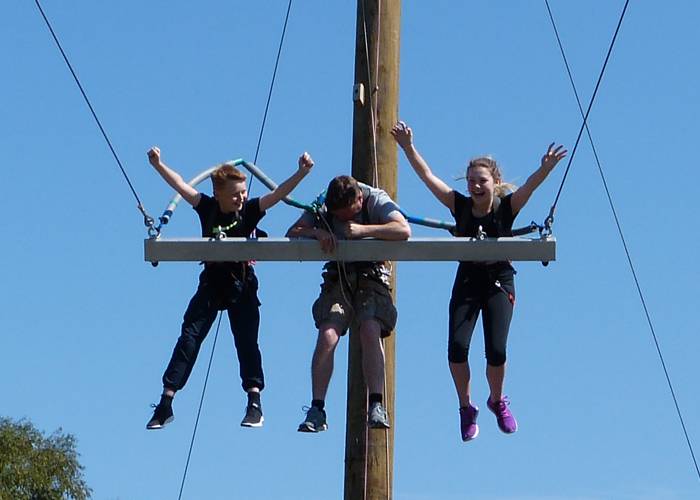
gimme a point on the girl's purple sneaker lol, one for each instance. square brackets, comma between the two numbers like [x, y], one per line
[506, 420]
[467, 422]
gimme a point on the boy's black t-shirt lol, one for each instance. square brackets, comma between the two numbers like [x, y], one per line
[235, 225]
[210, 216]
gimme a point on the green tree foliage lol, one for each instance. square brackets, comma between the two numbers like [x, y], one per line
[36, 467]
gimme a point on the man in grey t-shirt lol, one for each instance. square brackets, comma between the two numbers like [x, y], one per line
[352, 293]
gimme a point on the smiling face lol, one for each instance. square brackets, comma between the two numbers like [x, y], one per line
[231, 195]
[481, 185]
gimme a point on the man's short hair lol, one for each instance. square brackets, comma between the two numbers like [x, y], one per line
[342, 192]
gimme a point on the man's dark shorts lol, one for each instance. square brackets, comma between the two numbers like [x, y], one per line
[349, 302]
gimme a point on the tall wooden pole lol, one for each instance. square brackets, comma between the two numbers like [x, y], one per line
[369, 453]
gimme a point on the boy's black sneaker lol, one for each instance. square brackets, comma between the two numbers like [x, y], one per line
[253, 416]
[162, 416]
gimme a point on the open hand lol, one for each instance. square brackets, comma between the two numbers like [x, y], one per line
[553, 156]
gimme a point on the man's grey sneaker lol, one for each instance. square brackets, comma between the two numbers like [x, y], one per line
[377, 417]
[162, 415]
[253, 416]
[315, 420]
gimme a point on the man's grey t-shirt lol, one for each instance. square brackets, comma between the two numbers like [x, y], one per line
[380, 209]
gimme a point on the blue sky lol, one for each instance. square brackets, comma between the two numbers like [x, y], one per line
[89, 327]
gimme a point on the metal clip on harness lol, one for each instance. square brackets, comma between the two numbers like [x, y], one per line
[546, 228]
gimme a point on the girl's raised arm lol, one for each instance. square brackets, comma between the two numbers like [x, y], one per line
[403, 135]
[549, 161]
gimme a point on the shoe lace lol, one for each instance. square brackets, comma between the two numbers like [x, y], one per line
[502, 406]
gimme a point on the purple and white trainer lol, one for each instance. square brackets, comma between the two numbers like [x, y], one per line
[467, 422]
[506, 420]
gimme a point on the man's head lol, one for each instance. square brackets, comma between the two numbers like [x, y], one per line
[344, 198]
[229, 188]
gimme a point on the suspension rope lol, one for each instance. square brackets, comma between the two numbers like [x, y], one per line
[372, 88]
[550, 218]
[148, 220]
[624, 244]
[257, 151]
[199, 411]
[272, 86]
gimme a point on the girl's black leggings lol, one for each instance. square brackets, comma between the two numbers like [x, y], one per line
[492, 295]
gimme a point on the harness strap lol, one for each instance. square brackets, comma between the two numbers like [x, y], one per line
[467, 219]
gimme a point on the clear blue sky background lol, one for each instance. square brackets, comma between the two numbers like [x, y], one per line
[88, 326]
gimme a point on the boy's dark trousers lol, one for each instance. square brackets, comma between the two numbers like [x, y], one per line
[241, 302]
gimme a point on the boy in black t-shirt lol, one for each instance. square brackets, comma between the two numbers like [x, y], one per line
[230, 286]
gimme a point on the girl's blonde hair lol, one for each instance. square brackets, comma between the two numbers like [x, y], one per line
[501, 188]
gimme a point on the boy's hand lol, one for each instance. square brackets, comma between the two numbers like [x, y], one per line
[402, 134]
[553, 156]
[154, 156]
[306, 163]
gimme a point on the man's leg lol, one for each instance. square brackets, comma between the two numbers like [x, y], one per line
[321, 372]
[373, 370]
[323, 360]
[331, 314]
[372, 355]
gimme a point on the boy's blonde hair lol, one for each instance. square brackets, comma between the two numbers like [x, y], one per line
[225, 173]
[501, 188]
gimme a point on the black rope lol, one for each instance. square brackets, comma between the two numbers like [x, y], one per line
[199, 411]
[272, 86]
[372, 87]
[550, 217]
[624, 244]
[147, 219]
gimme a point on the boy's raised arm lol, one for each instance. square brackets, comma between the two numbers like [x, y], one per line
[174, 180]
[270, 199]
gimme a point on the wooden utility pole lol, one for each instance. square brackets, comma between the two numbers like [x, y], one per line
[369, 453]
